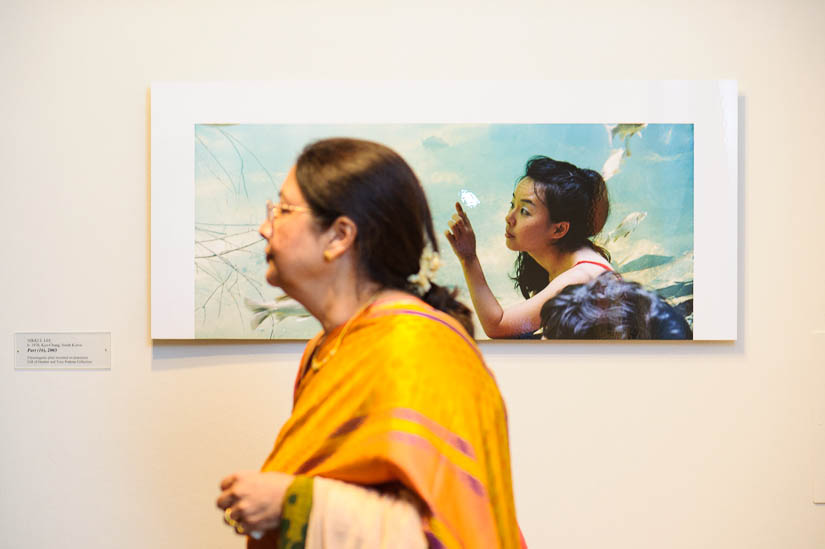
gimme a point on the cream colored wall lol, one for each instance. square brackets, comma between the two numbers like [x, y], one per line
[705, 445]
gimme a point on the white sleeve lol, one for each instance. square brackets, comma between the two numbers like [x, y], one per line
[348, 516]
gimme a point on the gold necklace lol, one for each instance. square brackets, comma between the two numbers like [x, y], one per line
[315, 363]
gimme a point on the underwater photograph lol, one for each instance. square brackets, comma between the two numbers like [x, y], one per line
[648, 170]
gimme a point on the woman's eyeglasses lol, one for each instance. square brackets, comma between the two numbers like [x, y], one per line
[274, 211]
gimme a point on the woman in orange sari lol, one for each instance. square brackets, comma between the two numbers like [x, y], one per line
[398, 434]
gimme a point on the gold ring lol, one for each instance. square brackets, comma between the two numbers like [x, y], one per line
[228, 519]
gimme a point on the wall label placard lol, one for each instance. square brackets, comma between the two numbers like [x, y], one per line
[62, 351]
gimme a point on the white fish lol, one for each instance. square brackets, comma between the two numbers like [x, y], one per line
[282, 307]
[624, 132]
[627, 226]
[612, 164]
[469, 199]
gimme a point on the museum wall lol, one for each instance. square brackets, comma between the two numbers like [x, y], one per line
[716, 445]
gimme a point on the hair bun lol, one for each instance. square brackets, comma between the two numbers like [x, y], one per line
[599, 203]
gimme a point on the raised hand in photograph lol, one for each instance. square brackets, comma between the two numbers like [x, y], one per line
[555, 210]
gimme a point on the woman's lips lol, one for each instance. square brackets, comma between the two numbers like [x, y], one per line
[507, 235]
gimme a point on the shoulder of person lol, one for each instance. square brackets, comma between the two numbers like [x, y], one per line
[578, 274]
[589, 263]
[417, 337]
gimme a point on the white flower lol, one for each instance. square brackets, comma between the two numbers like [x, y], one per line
[430, 263]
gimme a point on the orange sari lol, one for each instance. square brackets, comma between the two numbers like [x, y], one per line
[405, 399]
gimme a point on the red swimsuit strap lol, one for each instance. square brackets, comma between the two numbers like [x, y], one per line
[602, 265]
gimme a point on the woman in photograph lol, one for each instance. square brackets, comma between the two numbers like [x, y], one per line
[556, 210]
[398, 433]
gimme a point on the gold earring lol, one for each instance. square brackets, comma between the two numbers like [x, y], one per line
[327, 256]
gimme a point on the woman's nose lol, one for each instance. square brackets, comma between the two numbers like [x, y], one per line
[265, 230]
[509, 218]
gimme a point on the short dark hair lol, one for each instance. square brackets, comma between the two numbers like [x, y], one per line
[609, 307]
[372, 185]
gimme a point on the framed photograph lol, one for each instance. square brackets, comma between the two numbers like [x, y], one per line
[666, 150]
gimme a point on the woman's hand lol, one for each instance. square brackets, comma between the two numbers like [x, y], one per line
[461, 236]
[254, 499]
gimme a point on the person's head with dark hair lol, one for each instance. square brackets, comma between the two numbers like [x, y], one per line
[609, 307]
[577, 205]
[369, 201]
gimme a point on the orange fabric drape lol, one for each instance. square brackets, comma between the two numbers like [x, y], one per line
[405, 399]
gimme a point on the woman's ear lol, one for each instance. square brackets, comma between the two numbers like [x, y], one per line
[559, 229]
[341, 237]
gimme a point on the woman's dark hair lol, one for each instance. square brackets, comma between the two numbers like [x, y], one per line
[608, 307]
[372, 185]
[575, 195]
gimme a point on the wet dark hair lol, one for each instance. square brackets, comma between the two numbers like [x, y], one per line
[571, 194]
[372, 185]
[608, 307]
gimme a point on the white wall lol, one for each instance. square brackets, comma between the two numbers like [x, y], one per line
[704, 445]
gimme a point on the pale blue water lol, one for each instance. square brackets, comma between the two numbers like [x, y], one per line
[239, 167]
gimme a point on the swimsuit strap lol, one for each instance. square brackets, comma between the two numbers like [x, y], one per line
[602, 265]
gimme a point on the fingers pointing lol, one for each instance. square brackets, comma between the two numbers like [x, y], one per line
[461, 213]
